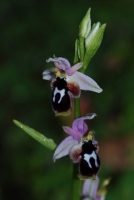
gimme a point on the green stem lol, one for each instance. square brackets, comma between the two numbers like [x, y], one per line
[76, 183]
[77, 113]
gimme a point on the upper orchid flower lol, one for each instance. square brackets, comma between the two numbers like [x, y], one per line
[81, 149]
[71, 74]
[67, 82]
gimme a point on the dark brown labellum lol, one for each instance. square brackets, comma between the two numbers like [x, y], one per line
[90, 163]
[60, 97]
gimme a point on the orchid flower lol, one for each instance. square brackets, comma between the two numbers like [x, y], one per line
[80, 146]
[66, 83]
[90, 189]
[78, 130]
[71, 74]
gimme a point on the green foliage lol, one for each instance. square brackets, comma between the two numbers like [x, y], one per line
[49, 143]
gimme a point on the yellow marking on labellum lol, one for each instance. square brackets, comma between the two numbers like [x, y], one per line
[82, 178]
[63, 113]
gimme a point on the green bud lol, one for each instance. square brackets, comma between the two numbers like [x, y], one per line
[92, 43]
[92, 33]
[85, 25]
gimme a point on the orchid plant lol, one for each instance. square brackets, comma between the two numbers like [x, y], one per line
[66, 84]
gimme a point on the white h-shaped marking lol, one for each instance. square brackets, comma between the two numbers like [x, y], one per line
[61, 92]
[88, 156]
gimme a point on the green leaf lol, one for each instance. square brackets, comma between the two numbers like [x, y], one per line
[49, 143]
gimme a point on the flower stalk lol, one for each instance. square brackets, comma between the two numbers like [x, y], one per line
[85, 48]
[76, 183]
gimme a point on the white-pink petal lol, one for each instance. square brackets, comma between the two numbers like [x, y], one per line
[77, 135]
[61, 63]
[47, 77]
[48, 74]
[64, 147]
[70, 71]
[85, 82]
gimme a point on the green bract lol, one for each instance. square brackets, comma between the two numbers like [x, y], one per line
[85, 25]
[49, 143]
[77, 53]
[92, 44]
[89, 40]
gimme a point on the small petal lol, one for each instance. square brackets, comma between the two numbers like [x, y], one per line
[74, 133]
[49, 74]
[64, 147]
[70, 71]
[85, 82]
[61, 63]
[47, 77]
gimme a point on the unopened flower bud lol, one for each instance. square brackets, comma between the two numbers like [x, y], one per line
[85, 25]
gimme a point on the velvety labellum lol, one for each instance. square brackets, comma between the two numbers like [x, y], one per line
[60, 97]
[90, 163]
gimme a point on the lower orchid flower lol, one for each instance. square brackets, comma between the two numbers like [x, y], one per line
[66, 83]
[81, 147]
[90, 189]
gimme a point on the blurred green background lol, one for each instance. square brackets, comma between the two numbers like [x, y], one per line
[32, 31]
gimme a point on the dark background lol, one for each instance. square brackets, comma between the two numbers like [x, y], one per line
[32, 31]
